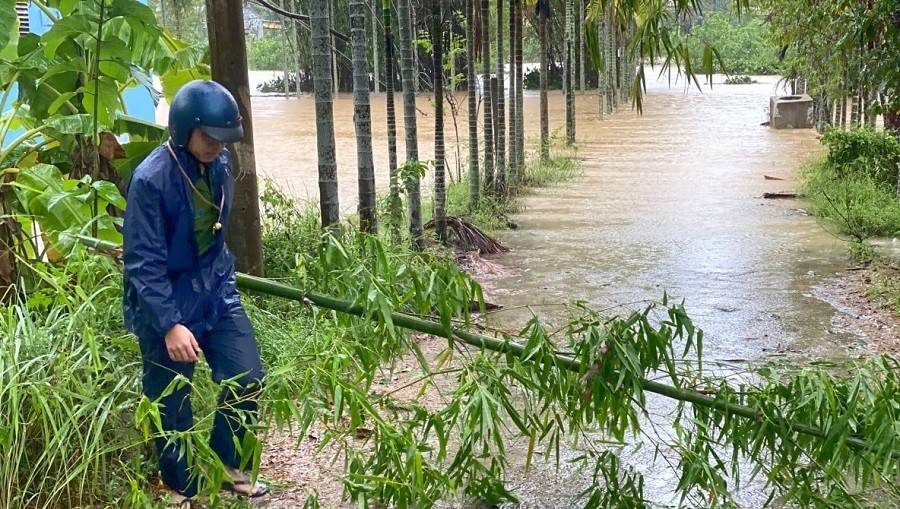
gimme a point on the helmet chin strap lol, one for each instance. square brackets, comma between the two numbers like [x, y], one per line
[217, 226]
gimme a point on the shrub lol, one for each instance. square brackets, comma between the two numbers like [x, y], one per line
[856, 183]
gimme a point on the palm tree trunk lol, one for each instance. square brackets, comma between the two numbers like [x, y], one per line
[335, 74]
[500, 184]
[871, 101]
[544, 12]
[512, 164]
[320, 35]
[437, 37]
[472, 88]
[362, 118]
[413, 191]
[295, 43]
[602, 73]
[396, 209]
[285, 48]
[374, 40]
[570, 74]
[579, 38]
[610, 62]
[520, 103]
[486, 95]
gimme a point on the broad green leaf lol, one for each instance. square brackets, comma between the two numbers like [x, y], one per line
[145, 80]
[133, 11]
[135, 153]
[72, 124]
[110, 193]
[67, 7]
[140, 129]
[76, 26]
[9, 30]
[43, 184]
[172, 81]
[63, 98]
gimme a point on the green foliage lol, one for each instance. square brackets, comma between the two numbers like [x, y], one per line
[743, 45]
[856, 184]
[266, 53]
[70, 82]
[68, 380]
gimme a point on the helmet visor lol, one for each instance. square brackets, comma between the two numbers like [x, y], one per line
[224, 134]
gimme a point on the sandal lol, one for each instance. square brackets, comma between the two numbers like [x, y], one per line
[184, 503]
[261, 490]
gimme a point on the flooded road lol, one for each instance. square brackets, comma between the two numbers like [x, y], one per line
[670, 201]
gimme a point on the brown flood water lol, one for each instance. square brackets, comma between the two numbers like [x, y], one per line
[669, 201]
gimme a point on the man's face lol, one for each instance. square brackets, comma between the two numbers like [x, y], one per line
[204, 147]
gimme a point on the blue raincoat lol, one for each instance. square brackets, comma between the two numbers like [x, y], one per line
[166, 280]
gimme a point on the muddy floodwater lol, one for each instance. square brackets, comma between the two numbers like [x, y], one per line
[670, 201]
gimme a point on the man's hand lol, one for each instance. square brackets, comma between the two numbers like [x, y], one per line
[181, 344]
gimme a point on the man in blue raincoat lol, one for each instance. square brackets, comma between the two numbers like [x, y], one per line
[180, 297]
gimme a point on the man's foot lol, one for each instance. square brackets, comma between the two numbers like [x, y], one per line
[243, 486]
[176, 500]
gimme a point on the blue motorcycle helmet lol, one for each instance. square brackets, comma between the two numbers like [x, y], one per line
[208, 106]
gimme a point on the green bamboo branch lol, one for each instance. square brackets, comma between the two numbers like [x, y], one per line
[506, 346]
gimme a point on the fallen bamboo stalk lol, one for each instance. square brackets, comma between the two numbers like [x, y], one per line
[271, 288]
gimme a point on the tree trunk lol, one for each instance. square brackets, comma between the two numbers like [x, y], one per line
[437, 40]
[486, 95]
[500, 184]
[229, 67]
[9, 229]
[362, 118]
[409, 118]
[335, 74]
[579, 43]
[320, 44]
[871, 102]
[375, 73]
[512, 164]
[285, 48]
[602, 82]
[544, 13]
[472, 88]
[295, 43]
[569, 77]
[396, 209]
[610, 62]
[520, 104]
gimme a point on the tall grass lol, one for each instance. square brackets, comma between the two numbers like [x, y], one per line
[69, 381]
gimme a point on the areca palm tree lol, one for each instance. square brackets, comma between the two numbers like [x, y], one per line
[362, 118]
[320, 33]
[543, 12]
[409, 119]
[569, 73]
[437, 38]
[500, 184]
[472, 89]
[513, 162]
[396, 211]
[520, 105]
[486, 94]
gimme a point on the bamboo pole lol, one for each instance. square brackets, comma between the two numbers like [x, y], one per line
[504, 346]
